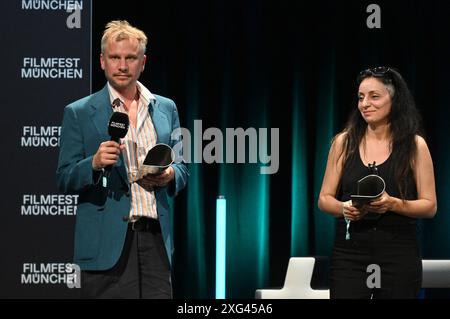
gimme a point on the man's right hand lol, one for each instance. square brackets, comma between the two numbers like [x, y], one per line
[107, 154]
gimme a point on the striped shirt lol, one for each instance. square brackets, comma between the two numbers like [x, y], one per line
[138, 141]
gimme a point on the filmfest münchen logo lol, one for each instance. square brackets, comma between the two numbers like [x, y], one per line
[51, 68]
[49, 205]
[40, 136]
[51, 274]
[63, 5]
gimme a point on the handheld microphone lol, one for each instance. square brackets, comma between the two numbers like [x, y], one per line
[117, 129]
[118, 126]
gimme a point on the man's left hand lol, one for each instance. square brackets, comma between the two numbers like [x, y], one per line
[150, 181]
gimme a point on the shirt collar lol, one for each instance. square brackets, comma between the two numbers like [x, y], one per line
[145, 95]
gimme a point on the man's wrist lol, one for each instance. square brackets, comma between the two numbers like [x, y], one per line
[97, 169]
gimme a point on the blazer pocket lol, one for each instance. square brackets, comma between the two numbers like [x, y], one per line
[87, 236]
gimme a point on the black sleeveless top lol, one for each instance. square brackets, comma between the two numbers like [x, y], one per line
[355, 169]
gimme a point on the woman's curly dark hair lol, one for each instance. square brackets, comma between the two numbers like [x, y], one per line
[405, 124]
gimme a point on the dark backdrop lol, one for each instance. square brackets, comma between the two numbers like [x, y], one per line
[288, 65]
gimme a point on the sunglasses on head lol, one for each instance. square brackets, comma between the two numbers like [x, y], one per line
[377, 72]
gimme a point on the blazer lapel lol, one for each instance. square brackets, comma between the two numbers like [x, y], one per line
[159, 120]
[101, 112]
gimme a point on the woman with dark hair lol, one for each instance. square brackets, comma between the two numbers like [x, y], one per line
[376, 252]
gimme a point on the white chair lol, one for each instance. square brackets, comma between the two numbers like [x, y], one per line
[297, 284]
[436, 273]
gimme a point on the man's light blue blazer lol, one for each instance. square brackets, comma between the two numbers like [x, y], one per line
[101, 218]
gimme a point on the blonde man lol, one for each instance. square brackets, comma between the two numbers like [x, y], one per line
[123, 240]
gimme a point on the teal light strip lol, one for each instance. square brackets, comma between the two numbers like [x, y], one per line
[324, 126]
[262, 231]
[221, 228]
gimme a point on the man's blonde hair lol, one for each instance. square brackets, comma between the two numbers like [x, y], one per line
[119, 30]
